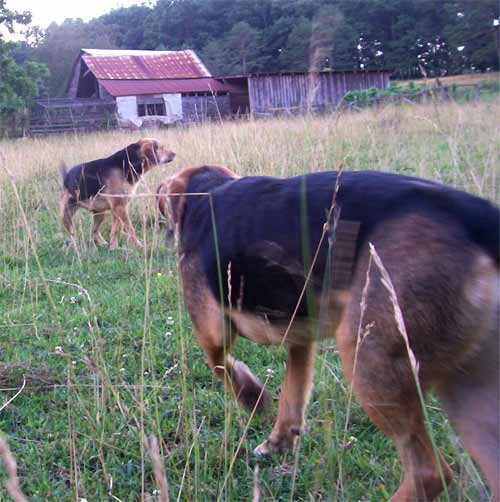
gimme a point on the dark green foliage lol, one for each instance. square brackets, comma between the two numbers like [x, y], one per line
[61, 44]
[20, 80]
[412, 37]
[373, 92]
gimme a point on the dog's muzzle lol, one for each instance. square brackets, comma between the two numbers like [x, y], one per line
[166, 157]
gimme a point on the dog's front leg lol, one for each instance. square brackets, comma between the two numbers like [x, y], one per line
[120, 213]
[115, 230]
[293, 401]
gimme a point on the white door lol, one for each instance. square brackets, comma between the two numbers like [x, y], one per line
[126, 106]
[173, 106]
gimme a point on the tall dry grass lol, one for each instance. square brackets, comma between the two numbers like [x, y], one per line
[110, 335]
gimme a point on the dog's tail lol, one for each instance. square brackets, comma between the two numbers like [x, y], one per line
[486, 230]
[479, 217]
[482, 221]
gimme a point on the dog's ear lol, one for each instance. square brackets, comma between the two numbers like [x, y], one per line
[133, 155]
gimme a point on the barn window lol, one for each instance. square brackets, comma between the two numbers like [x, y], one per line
[150, 105]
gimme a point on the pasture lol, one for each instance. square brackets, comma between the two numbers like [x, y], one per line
[96, 351]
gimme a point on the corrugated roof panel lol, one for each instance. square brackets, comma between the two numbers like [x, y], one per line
[178, 64]
[122, 52]
[137, 87]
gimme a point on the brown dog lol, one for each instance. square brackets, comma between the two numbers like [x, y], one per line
[248, 244]
[107, 185]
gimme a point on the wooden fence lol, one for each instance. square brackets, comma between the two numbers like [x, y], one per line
[71, 116]
[14, 125]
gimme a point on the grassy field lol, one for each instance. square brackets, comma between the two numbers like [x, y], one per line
[101, 345]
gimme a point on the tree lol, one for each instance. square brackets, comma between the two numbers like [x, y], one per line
[243, 47]
[326, 22]
[238, 36]
[61, 45]
[214, 55]
[21, 82]
[472, 36]
[9, 18]
[295, 55]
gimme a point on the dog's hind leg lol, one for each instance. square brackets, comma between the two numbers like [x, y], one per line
[471, 393]
[244, 385]
[98, 219]
[471, 397]
[293, 401]
[474, 407]
[384, 385]
[68, 209]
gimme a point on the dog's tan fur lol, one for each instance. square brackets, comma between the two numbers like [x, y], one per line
[461, 361]
[114, 195]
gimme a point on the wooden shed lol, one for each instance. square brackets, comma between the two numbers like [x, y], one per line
[299, 92]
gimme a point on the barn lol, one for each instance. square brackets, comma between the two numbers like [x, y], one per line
[301, 92]
[150, 86]
[136, 88]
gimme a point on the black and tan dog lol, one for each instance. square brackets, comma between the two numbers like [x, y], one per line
[441, 248]
[107, 185]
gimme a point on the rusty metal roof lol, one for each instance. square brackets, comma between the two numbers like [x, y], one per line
[176, 64]
[167, 86]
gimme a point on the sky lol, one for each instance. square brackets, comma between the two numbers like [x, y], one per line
[45, 12]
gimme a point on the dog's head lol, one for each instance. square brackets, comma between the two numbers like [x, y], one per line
[149, 152]
[171, 193]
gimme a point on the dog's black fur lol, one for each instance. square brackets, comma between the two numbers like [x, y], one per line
[87, 180]
[107, 184]
[246, 247]
[253, 212]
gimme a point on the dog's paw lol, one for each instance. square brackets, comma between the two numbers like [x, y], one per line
[250, 392]
[137, 244]
[276, 445]
[264, 449]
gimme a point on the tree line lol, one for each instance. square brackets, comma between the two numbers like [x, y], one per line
[234, 37]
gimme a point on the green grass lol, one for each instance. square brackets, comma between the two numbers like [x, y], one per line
[105, 344]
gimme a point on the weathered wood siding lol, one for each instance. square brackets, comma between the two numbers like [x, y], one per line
[200, 108]
[300, 92]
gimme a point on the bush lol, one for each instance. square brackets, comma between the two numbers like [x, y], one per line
[373, 92]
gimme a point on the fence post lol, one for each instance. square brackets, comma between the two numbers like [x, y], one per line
[477, 92]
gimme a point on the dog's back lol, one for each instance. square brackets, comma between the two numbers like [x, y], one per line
[87, 180]
[290, 214]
